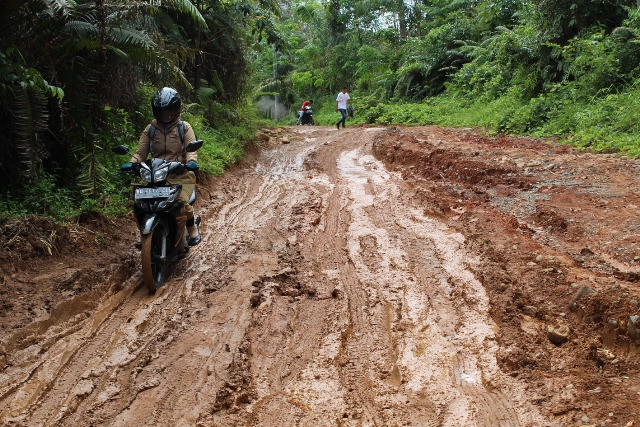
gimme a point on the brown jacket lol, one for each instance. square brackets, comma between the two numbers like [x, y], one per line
[166, 146]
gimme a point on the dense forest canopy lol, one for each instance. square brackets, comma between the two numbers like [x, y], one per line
[76, 75]
[410, 50]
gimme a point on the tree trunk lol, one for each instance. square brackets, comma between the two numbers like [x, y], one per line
[198, 70]
[199, 53]
[336, 28]
[402, 21]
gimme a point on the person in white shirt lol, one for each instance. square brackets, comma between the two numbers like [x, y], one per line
[341, 105]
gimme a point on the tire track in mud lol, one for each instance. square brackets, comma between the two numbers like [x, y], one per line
[221, 386]
[367, 314]
[65, 361]
[436, 263]
[57, 393]
[493, 408]
[215, 387]
[391, 263]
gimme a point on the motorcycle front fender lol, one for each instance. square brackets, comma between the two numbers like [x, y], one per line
[149, 222]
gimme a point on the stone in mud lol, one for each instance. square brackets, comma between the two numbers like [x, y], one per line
[558, 334]
[83, 388]
[604, 355]
[582, 292]
[287, 271]
[503, 287]
[285, 140]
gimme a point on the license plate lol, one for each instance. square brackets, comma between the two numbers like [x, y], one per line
[153, 193]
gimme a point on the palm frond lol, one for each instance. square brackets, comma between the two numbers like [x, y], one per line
[187, 7]
[91, 178]
[63, 6]
[271, 5]
[123, 36]
[309, 15]
[82, 28]
[30, 117]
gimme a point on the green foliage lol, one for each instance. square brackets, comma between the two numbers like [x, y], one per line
[14, 74]
[100, 51]
[302, 82]
[224, 144]
[43, 198]
[605, 124]
[505, 61]
[565, 68]
[561, 20]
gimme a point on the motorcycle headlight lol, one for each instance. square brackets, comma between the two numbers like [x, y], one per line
[145, 173]
[160, 174]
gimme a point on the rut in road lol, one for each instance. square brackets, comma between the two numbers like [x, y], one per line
[321, 295]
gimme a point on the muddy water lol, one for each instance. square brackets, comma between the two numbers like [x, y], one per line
[321, 295]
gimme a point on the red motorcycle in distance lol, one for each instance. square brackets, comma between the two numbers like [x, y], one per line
[306, 118]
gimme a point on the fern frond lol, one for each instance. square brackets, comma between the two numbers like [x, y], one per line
[119, 52]
[270, 86]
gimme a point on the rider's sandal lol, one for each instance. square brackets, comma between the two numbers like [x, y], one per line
[192, 241]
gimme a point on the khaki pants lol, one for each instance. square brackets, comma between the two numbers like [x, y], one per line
[188, 181]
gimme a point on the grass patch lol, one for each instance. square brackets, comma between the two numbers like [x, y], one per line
[223, 146]
[601, 124]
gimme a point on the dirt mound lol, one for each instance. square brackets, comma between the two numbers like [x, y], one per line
[557, 229]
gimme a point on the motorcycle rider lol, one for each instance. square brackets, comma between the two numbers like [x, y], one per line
[302, 108]
[166, 140]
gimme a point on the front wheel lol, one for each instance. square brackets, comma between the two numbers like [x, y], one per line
[153, 263]
[311, 122]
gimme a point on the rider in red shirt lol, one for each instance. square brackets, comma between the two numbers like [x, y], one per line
[304, 104]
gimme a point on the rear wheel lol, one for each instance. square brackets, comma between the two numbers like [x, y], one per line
[153, 266]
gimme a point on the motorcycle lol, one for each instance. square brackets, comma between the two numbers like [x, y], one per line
[306, 118]
[159, 213]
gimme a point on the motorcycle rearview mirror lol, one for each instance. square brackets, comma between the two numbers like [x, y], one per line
[120, 149]
[194, 146]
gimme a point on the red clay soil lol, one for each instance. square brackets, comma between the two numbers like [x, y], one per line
[361, 277]
[559, 234]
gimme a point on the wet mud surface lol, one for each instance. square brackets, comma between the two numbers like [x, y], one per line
[357, 277]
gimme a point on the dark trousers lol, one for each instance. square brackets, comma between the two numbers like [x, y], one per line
[343, 120]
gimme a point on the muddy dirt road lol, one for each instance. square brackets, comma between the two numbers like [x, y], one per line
[360, 277]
